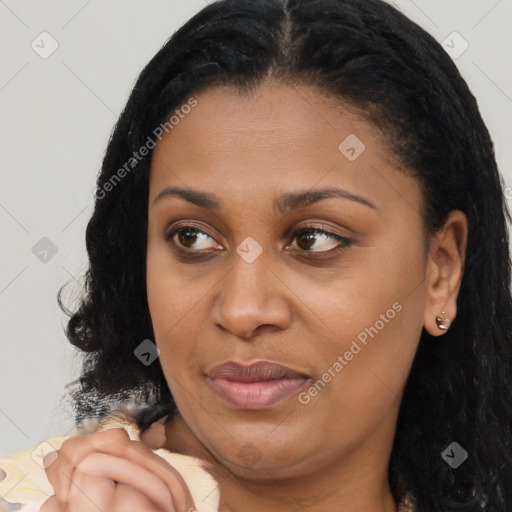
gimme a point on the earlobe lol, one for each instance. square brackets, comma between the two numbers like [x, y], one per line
[442, 322]
[438, 325]
[444, 273]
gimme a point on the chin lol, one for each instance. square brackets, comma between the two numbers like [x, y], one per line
[256, 457]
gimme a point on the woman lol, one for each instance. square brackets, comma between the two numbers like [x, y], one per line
[299, 264]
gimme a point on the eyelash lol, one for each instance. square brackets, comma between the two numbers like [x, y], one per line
[344, 241]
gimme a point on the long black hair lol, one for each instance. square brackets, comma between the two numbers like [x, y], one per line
[371, 57]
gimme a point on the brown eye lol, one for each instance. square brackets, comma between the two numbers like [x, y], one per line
[325, 241]
[190, 238]
[187, 237]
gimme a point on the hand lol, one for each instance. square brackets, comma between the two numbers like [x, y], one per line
[108, 472]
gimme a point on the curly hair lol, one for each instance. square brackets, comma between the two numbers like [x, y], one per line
[370, 56]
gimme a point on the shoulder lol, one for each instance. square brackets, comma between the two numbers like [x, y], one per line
[24, 486]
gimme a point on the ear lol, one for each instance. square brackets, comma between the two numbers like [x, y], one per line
[445, 268]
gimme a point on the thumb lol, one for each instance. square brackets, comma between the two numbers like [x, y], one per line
[154, 436]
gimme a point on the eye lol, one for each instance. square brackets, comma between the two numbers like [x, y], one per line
[314, 239]
[190, 239]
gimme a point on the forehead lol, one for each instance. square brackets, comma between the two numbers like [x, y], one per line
[274, 117]
[276, 138]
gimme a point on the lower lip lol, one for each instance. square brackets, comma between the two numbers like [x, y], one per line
[256, 395]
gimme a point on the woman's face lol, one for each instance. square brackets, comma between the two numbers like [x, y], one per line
[343, 306]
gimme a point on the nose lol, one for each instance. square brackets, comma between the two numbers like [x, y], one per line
[252, 299]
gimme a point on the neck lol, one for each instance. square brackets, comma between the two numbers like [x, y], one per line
[360, 483]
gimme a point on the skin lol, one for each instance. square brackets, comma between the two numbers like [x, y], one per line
[284, 307]
[108, 471]
[290, 305]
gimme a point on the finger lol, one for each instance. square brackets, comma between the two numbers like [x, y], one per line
[75, 449]
[154, 437]
[92, 494]
[89, 493]
[124, 471]
[142, 455]
[128, 499]
[50, 505]
[116, 442]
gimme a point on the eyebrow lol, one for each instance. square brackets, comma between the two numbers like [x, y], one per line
[283, 204]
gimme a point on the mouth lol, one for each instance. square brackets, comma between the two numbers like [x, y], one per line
[256, 386]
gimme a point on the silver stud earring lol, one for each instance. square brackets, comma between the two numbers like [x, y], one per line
[442, 322]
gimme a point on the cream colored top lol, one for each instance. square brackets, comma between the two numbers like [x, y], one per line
[24, 486]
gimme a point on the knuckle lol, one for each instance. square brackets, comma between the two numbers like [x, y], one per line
[84, 465]
[72, 445]
[135, 446]
[63, 454]
[109, 437]
[116, 434]
[69, 444]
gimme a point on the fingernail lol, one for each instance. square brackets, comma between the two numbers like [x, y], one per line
[49, 459]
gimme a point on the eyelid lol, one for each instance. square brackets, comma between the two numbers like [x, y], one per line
[290, 235]
[344, 241]
[321, 227]
[169, 233]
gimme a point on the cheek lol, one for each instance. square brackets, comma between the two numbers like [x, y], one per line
[178, 305]
[172, 299]
[170, 304]
[371, 316]
[170, 312]
[377, 287]
[383, 325]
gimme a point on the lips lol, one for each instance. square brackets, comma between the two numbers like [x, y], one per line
[261, 370]
[256, 386]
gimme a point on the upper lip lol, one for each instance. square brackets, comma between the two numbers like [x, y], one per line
[258, 371]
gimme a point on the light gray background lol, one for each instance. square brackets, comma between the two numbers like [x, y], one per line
[57, 114]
